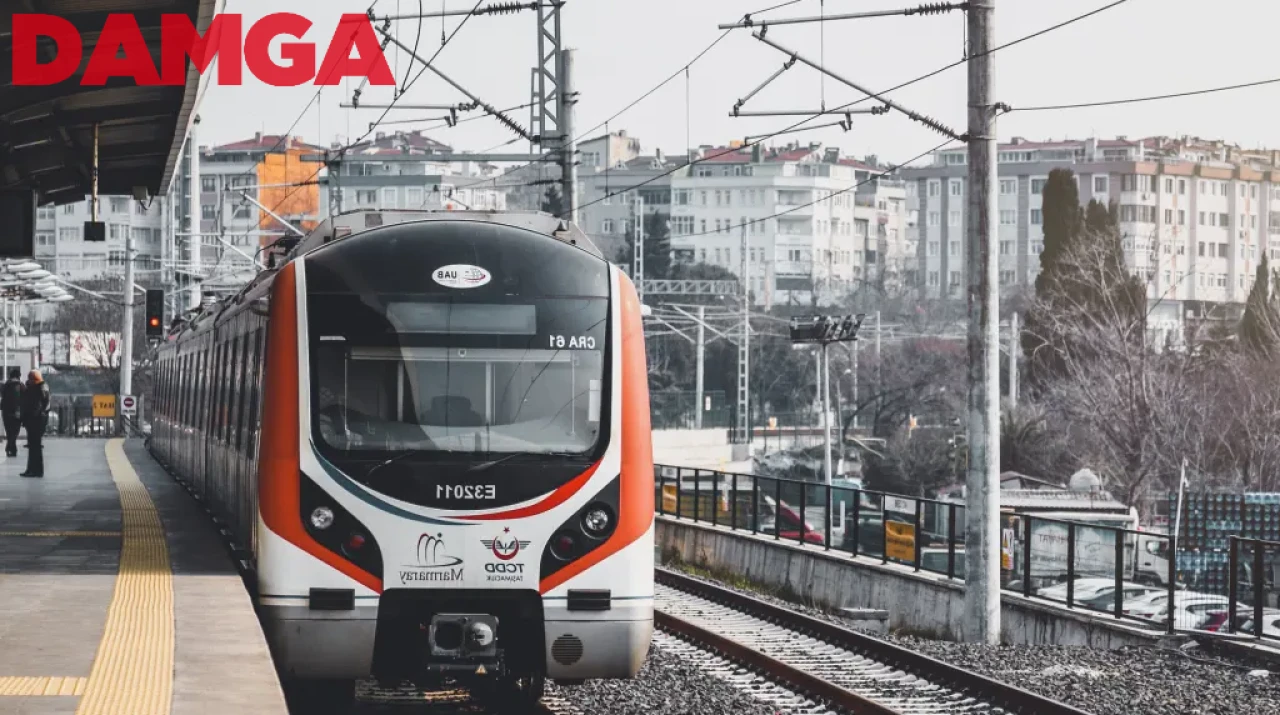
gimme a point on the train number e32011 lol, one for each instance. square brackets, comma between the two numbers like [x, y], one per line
[466, 491]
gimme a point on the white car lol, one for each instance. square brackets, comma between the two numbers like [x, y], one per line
[1190, 610]
[1084, 587]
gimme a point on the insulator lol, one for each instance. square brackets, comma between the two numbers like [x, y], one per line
[936, 8]
[506, 8]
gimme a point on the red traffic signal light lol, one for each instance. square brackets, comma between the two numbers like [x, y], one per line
[154, 322]
[155, 313]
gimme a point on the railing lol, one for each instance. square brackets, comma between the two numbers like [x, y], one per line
[1110, 570]
[1252, 590]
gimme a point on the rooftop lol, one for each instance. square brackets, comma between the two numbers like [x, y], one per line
[267, 143]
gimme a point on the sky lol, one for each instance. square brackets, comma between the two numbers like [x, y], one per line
[626, 47]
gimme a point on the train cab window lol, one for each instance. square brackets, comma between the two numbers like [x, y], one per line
[403, 365]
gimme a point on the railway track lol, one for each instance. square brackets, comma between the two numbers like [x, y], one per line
[820, 665]
[372, 699]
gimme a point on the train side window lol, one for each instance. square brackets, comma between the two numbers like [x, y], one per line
[234, 398]
[242, 385]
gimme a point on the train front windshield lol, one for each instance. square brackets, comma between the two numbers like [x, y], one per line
[452, 385]
[458, 352]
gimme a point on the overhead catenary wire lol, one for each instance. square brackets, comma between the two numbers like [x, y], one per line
[908, 83]
[1151, 98]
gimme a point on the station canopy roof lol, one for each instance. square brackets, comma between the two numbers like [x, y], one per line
[46, 132]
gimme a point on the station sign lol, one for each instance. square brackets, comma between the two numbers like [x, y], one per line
[104, 405]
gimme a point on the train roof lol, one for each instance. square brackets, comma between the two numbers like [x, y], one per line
[349, 223]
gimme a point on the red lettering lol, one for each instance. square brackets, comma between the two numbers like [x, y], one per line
[27, 70]
[180, 40]
[301, 55]
[120, 35]
[338, 62]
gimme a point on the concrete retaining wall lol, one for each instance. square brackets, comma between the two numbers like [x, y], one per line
[706, 448]
[917, 602]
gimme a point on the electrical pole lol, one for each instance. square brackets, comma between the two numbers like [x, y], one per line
[982, 494]
[879, 378]
[825, 369]
[126, 332]
[700, 352]
[568, 145]
[744, 347]
[637, 244]
[1014, 338]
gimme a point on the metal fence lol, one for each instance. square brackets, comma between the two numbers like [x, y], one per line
[1125, 573]
[679, 410]
[73, 416]
[1253, 590]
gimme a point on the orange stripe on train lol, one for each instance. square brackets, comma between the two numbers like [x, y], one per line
[636, 488]
[279, 491]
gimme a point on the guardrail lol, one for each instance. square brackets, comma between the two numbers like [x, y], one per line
[1121, 572]
[1257, 560]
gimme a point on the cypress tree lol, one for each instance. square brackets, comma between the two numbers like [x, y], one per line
[1258, 324]
[1063, 224]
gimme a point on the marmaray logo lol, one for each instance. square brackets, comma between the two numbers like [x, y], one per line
[121, 51]
[435, 565]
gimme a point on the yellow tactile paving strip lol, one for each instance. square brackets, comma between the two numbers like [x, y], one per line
[132, 672]
[58, 534]
[42, 686]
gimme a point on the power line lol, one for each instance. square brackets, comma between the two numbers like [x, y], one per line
[1153, 98]
[908, 83]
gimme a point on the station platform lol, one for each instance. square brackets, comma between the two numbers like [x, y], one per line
[117, 595]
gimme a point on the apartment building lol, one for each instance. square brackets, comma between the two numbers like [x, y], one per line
[397, 171]
[269, 169]
[608, 210]
[1195, 216]
[817, 225]
[60, 246]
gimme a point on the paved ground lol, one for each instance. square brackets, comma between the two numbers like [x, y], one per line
[121, 612]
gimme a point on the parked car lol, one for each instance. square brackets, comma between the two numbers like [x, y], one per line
[1191, 610]
[1217, 621]
[1270, 625]
[1104, 598]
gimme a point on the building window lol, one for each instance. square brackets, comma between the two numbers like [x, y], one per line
[1223, 221]
[1008, 218]
[1037, 186]
[955, 278]
[933, 218]
[208, 184]
[953, 218]
[1182, 187]
[1008, 187]
[1182, 217]
[1168, 215]
[68, 233]
[390, 197]
[414, 197]
[933, 248]
[1006, 248]
[933, 278]
[208, 212]
[366, 197]
[957, 187]
[1037, 217]
[1099, 184]
[933, 187]
[242, 212]
[1168, 185]
[606, 226]
[69, 209]
[1006, 277]
[955, 248]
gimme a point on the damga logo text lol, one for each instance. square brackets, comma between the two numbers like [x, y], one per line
[121, 51]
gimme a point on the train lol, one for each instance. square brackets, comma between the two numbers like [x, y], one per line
[427, 435]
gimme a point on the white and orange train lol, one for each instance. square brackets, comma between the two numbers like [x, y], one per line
[428, 433]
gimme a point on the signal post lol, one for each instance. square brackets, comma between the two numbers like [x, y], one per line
[824, 330]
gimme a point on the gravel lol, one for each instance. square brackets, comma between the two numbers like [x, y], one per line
[1126, 681]
[666, 685]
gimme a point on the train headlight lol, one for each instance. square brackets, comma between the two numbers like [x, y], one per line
[596, 521]
[322, 517]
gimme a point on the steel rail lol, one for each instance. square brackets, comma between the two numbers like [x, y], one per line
[1009, 697]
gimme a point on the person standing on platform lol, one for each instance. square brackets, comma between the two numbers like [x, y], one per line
[35, 411]
[11, 410]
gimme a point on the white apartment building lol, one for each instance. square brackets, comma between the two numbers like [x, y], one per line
[816, 225]
[1195, 217]
[396, 171]
[60, 246]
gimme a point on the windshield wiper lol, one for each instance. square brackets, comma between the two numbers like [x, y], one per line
[384, 463]
[485, 466]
